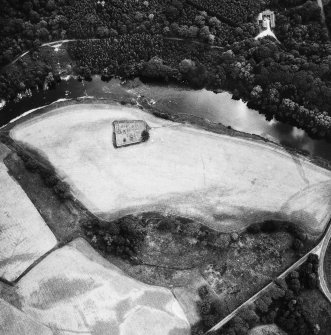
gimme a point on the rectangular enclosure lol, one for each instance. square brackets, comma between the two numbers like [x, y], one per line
[128, 132]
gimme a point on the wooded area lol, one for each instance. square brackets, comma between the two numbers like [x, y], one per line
[177, 40]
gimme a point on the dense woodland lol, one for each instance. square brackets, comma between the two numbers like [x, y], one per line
[197, 43]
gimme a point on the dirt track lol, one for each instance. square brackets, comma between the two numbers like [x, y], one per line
[227, 182]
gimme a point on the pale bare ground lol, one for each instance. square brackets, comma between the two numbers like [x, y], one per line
[224, 181]
[75, 290]
[24, 236]
[14, 322]
[271, 329]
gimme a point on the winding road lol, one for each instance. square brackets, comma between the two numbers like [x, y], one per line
[52, 44]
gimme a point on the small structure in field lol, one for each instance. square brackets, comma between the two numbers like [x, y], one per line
[267, 15]
[129, 132]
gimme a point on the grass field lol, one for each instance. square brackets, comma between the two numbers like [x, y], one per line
[14, 322]
[227, 182]
[24, 236]
[75, 290]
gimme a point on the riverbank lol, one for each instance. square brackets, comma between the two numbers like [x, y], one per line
[165, 113]
[286, 108]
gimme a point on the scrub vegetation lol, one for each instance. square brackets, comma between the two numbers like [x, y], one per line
[179, 253]
[288, 304]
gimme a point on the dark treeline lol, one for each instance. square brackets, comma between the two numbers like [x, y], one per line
[124, 237]
[288, 79]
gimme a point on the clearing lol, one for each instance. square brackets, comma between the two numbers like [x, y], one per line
[271, 329]
[226, 182]
[21, 227]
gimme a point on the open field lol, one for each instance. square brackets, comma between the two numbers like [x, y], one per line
[271, 329]
[24, 236]
[227, 182]
[14, 322]
[75, 290]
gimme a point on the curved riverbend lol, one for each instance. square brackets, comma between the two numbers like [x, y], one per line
[174, 100]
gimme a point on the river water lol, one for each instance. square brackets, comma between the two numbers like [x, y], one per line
[214, 107]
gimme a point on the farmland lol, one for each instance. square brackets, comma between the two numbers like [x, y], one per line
[179, 233]
[76, 290]
[14, 322]
[20, 227]
[181, 170]
[175, 226]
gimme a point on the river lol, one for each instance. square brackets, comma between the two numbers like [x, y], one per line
[214, 107]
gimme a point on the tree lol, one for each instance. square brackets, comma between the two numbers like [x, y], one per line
[186, 65]
[155, 68]
[103, 31]
[297, 244]
[43, 34]
[309, 11]
[294, 282]
[204, 33]
[249, 315]
[34, 16]
[62, 190]
[171, 13]
[193, 31]
[50, 5]
[222, 241]
[145, 135]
